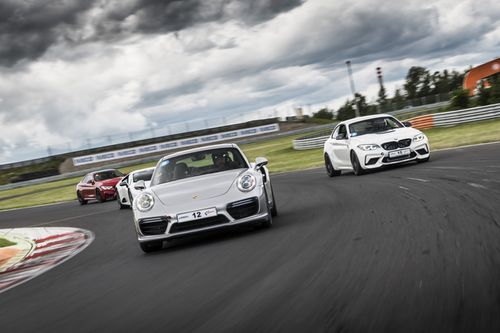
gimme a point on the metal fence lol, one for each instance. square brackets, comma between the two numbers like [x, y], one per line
[452, 118]
[442, 119]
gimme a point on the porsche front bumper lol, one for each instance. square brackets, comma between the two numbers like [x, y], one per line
[249, 208]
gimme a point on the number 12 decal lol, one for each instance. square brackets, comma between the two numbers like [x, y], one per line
[197, 215]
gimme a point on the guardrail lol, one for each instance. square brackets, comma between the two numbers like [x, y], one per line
[303, 144]
[313, 141]
[450, 118]
[442, 119]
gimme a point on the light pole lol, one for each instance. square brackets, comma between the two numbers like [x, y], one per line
[381, 93]
[353, 89]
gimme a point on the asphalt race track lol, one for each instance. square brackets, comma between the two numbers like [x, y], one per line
[414, 248]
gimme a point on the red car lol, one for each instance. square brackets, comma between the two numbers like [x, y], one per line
[98, 185]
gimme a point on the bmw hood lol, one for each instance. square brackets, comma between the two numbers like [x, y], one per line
[111, 182]
[198, 187]
[386, 136]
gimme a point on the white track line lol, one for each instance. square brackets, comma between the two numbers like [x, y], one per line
[69, 218]
[419, 180]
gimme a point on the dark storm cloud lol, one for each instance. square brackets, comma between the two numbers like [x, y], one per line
[29, 27]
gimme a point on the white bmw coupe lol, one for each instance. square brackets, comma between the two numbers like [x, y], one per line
[371, 142]
[202, 189]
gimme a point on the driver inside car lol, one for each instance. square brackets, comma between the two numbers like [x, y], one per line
[222, 161]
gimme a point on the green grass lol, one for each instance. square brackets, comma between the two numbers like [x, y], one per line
[282, 158]
[466, 134]
[4, 242]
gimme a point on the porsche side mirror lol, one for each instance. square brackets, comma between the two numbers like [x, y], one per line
[140, 185]
[407, 124]
[260, 162]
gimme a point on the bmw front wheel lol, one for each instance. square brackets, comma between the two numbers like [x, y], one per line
[330, 170]
[356, 166]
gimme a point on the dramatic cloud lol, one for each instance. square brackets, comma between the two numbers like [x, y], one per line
[29, 27]
[74, 73]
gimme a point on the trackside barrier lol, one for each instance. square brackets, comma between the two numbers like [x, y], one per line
[442, 119]
[451, 118]
[314, 141]
[303, 144]
[165, 146]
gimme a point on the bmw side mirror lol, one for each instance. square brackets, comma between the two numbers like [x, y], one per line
[407, 124]
[140, 185]
[260, 162]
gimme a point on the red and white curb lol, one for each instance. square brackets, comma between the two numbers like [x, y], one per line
[36, 251]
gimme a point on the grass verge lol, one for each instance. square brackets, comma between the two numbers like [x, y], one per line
[4, 242]
[282, 158]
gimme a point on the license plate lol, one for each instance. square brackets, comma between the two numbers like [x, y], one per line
[399, 153]
[196, 215]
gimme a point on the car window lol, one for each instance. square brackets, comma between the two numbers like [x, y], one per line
[124, 180]
[197, 164]
[341, 129]
[143, 175]
[108, 174]
[335, 132]
[374, 125]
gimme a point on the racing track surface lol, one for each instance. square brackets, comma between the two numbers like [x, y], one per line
[411, 249]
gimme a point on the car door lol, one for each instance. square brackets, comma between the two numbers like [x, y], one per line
[339, 147]
[122, 189]
[87, 187]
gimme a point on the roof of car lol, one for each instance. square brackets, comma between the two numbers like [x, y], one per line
[194, 150]
[373, 116]
[141, 170]
[103, 170]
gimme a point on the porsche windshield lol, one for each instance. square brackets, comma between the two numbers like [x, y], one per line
[374, 125]
[198, 163]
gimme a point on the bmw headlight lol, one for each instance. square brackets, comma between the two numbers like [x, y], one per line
[107, 188]
[368, 147]
[144, 202]
[418, 137]
[246, 183]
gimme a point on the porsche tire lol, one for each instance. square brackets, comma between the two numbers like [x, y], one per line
[152, 246]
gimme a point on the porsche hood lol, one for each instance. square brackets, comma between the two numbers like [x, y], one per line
[199, 187]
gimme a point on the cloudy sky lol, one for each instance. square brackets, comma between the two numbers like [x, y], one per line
[76, 69]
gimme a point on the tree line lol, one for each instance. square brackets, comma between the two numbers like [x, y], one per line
[423, 87]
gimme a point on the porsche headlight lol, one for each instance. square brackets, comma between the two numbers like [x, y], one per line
[369, 147]
[144, 202]
[418, 137]
[107, 188]
[246, 183]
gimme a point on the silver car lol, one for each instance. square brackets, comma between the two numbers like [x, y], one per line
[202, 189]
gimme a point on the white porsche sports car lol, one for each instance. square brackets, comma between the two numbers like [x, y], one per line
[126, 187]
[202, 189]
[371, 142]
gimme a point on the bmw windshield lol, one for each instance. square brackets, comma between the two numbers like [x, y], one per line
[374, 125]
